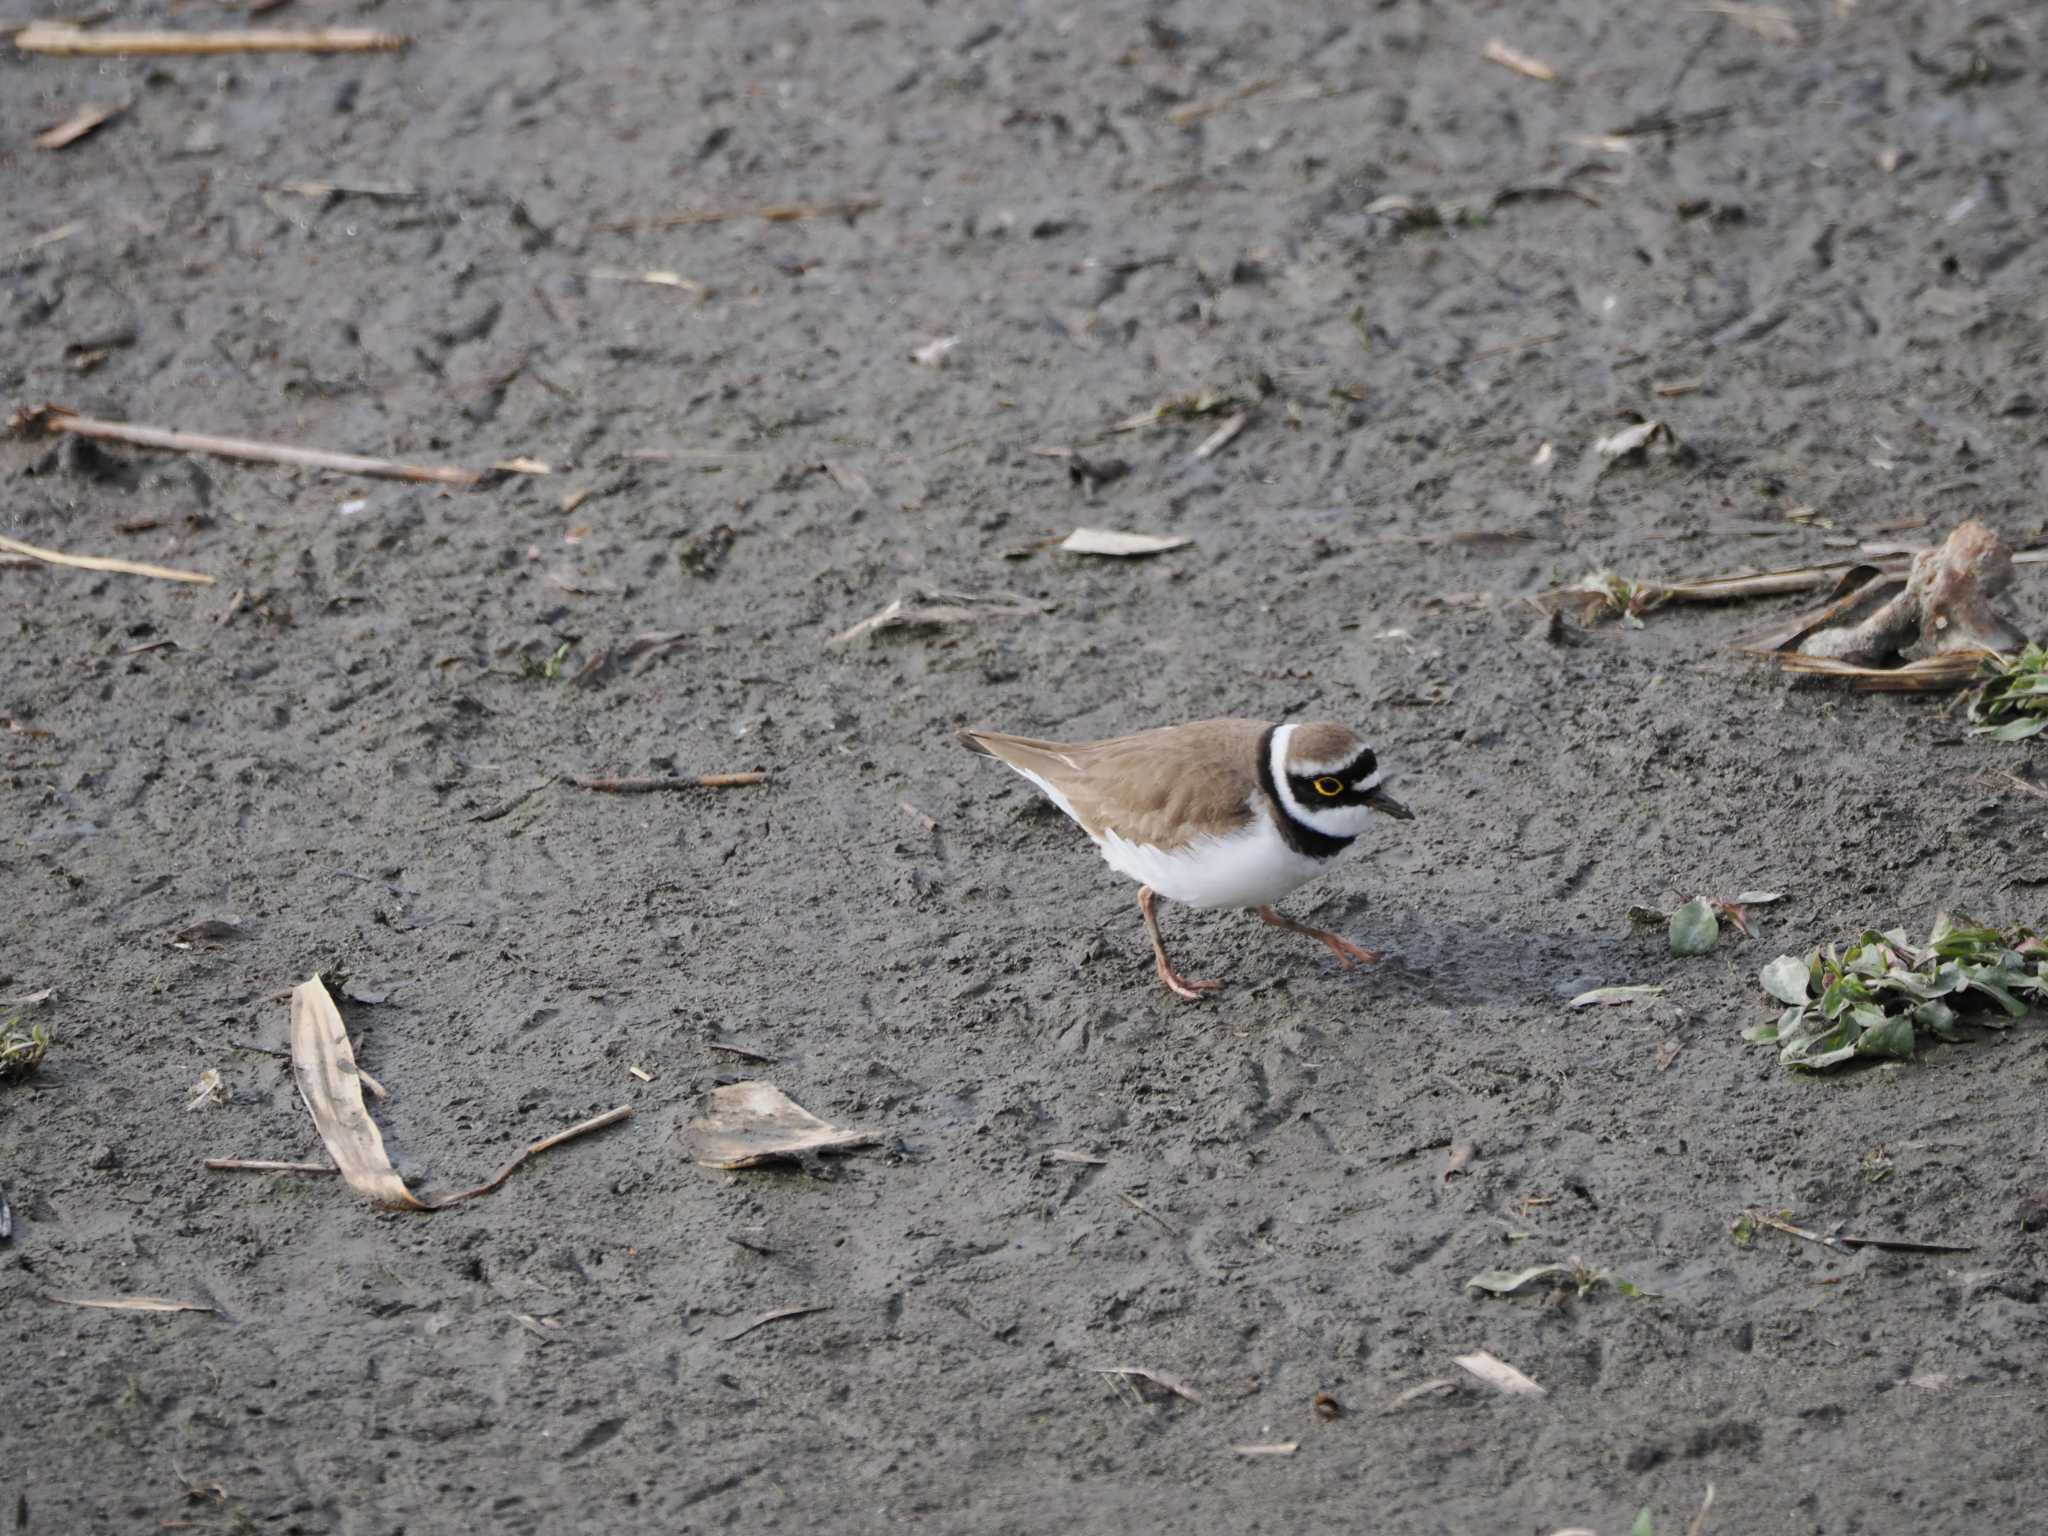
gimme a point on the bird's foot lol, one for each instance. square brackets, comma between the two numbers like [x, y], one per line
[1348, 954]
[1180, 986]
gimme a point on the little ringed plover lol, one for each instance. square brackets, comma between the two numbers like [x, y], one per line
[1215, 813]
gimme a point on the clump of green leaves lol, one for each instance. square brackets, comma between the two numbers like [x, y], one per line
[1876, 997]
[21, 1050]
[2012, 703]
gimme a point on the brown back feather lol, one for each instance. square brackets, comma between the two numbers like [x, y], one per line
[1163, 787]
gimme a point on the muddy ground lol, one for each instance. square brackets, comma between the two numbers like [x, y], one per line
[1835, 240]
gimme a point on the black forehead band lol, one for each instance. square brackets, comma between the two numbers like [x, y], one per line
[1362, 766]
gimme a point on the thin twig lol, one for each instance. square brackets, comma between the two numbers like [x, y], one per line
[1145, 1210]
[658, 786]
[773, 213]
[267, 1165]
[103, 563]
[546, 1143]
[55, 419]
[774, 1317]
[498, 812]
[1699, 1521]
[66, 40]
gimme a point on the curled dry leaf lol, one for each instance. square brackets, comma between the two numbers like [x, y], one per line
[743, 1125]
[1105, 541]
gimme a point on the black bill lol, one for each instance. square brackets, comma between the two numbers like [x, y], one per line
[1383, 802]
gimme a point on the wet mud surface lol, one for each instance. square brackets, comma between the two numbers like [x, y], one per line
[1820, 262]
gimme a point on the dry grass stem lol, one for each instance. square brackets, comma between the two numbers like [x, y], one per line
[68, 41]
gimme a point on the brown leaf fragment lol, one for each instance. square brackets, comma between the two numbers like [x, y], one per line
[743, 1125]
[78, 125]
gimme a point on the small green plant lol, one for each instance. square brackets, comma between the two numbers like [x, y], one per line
[1876, 997]
[547, 671]
[2012, 703]
[21, 1050]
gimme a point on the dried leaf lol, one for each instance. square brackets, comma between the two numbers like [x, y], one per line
[1611, 997]
[1498, 1373]
[1103, 541]
[324, 1065]
[743, 1125]
[1758, 898]
[331, 1086]
[1505, 1282]
[1630, 440]
[27, 999]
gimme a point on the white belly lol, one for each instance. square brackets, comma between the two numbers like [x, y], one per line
[1251, 868]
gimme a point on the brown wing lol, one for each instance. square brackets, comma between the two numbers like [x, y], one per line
[1163, 787]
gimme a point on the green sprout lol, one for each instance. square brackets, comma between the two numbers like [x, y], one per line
[21, 1051]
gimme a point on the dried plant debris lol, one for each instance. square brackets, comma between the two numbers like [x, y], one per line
[71, 40]
[2012, 704]
[1107, 541]
[924, 609]
[1924, 630]
[1498, 1373]
[1582, 1276]
[21, 1050]
[1875, 998]
[331, 1085]
[130, 1303]
[1632, 444]
[1614, 997]
[744, 1125]
[1498, 52]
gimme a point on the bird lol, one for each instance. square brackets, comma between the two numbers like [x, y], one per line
[1213, 813]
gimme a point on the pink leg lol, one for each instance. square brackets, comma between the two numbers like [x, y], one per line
[1191, 990]
[1346, 952]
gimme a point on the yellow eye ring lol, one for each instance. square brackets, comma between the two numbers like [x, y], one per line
[1329, 788]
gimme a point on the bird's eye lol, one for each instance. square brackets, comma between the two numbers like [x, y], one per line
[1329, 788]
